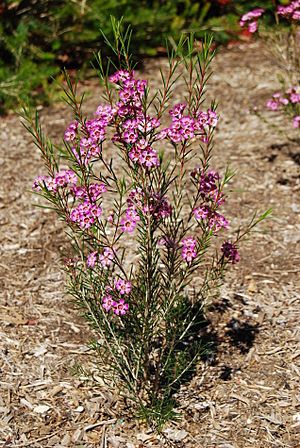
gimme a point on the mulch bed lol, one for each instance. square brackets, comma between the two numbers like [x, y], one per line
[246, 394]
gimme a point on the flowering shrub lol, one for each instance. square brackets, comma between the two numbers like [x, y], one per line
[286, 48]
[291, 11]
[143, 210]
[287, 102]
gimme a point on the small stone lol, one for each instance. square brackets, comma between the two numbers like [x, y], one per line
[296, 417]
[175, 435]
[41, 409]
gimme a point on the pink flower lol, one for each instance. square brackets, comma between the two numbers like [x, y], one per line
[128, 224]
[178, 110]
[202, 212]
[188, 254]
[85, 214]
[44, 182]
[108, 302]
[291, 11]
[158, 207]
[110, 217]
[189, 251]
[249, 16]
[106, 257]
[253, 27]
[296, 15]
[120, 308]
[296, 121]
[106, 113]
[212, 118]
[95, 191]
[71, 131]
[64, 178]
[130, 136]
[92, 259]
[251, 19]
[189, 242]
[272, 104]
[149, 158]
[217, 222]
[121, 75]
[295, 97]
[123, 286]
[161, 135]
[132, 214]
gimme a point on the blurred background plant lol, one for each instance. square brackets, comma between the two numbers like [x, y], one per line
[40, 37]
[282, 47]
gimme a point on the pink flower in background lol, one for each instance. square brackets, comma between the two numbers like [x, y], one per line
[294, 95]
[291, 11]
[251, 19]
[273, 104]
[253, 27]
[296, 121]
[288, 103]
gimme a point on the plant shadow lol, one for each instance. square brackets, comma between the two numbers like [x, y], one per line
[242, 334]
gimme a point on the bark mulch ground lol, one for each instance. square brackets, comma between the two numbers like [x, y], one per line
[246, 394]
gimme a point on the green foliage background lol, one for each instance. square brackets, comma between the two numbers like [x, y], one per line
[40, 37]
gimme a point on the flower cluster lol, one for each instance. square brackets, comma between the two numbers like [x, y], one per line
[251, 19]
[86, 214]
[134, 128]
[189, 251]
[207, 183]
[62, 179]
[90, 193]
[104, 259]
[291, 11]
[277, 101]
[289, 102]
[112, 300]
[230, 251]
[185, 128]
[88, 142]
[215, 220]
[138, 203]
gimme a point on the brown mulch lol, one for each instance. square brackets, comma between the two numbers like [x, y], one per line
[246, 394]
